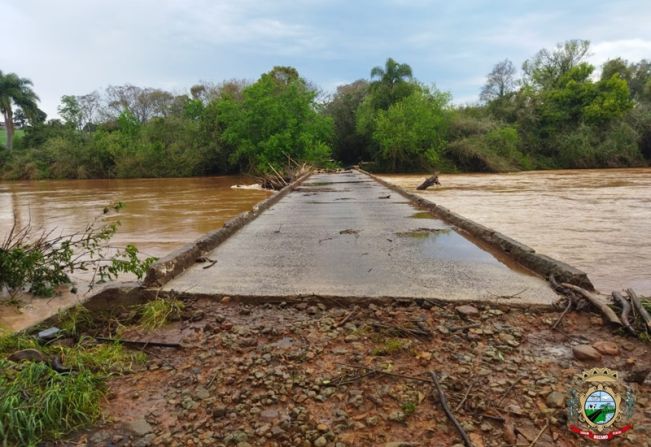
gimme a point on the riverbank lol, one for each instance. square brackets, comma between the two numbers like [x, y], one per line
[274, 375]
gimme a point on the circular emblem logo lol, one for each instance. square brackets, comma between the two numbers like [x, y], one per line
[600, 407]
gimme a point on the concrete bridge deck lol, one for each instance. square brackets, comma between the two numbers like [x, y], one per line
[346, 235]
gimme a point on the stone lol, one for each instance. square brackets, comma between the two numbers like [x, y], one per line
[397, 416]
[269, 414]
[202, 393]
[139, 426]
[320, 442]
[555, 400]
[467, 310]
[586, 352]
[606, 347]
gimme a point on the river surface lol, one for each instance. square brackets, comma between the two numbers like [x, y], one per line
[596, 220]
[159, 215]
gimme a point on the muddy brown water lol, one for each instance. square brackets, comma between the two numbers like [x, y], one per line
[159, 216]
[596, 220]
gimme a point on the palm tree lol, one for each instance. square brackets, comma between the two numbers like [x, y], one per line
[391, 84]
[15, 90]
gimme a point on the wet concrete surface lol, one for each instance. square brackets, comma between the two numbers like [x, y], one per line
[345, 235]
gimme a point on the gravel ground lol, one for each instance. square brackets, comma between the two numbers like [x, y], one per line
[283, 375]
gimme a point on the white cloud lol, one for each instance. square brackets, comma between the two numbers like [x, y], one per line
[632, 50]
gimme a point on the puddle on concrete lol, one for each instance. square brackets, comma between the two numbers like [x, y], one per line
[422, 215]
[422, 233]
[448, 245]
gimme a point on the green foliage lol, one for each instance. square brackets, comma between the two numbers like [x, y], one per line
[408, 408]
[275, 118]
[39, 404]
[411, 133]
[390, 346]
[40, 264]
[349, 145]
[157, 312]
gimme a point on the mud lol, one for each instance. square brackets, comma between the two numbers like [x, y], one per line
[276, 375]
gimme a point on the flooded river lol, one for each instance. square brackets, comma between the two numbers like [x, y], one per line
[159, 214]
[596, 220]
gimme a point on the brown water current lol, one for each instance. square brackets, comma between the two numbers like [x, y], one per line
[596, 220]
[159, 215]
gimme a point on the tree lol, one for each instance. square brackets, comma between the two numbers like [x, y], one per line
[545, 69]
[70, 111]
[15, 90]
[276, 117]
[390, 84]
[142, 103]
[411, 133]
[500, 82]
[20, 119]
[636, 75]
[349, 145]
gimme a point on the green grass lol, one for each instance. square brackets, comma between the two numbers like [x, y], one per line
[390, 346]
[159, 311]
[39, 404]
[3, 136]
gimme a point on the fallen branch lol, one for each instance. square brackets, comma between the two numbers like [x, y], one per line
[570, 302]
[209, 265]
[346, 318]
[597, 302]
[626, 311]
[639, 307]
[465, 396]
[506, 393]
[433, 180]
[402, 330]
[386, 373]
[138, 342]
[539, 434]
[444, 404]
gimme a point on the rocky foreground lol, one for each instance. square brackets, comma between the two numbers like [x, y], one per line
[298, 375]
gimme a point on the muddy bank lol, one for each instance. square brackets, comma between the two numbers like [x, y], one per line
[279, 375]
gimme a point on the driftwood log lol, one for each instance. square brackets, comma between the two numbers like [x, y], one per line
[639, 307]
[433, 180]
[596, 301]
[626, 311]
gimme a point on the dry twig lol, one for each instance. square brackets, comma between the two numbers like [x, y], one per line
[444, 403]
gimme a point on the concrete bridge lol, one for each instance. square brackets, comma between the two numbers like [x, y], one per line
[345, 235]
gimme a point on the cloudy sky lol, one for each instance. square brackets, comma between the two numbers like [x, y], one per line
[77, 46]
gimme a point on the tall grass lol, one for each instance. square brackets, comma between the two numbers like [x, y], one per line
[40, 404]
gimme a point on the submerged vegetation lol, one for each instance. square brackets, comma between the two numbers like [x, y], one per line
[558, 113]
[38, 263]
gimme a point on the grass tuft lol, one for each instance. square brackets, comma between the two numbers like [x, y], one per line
[38, 404]
[159, 311]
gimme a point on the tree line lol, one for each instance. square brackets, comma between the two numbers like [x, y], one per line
[556, 113]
